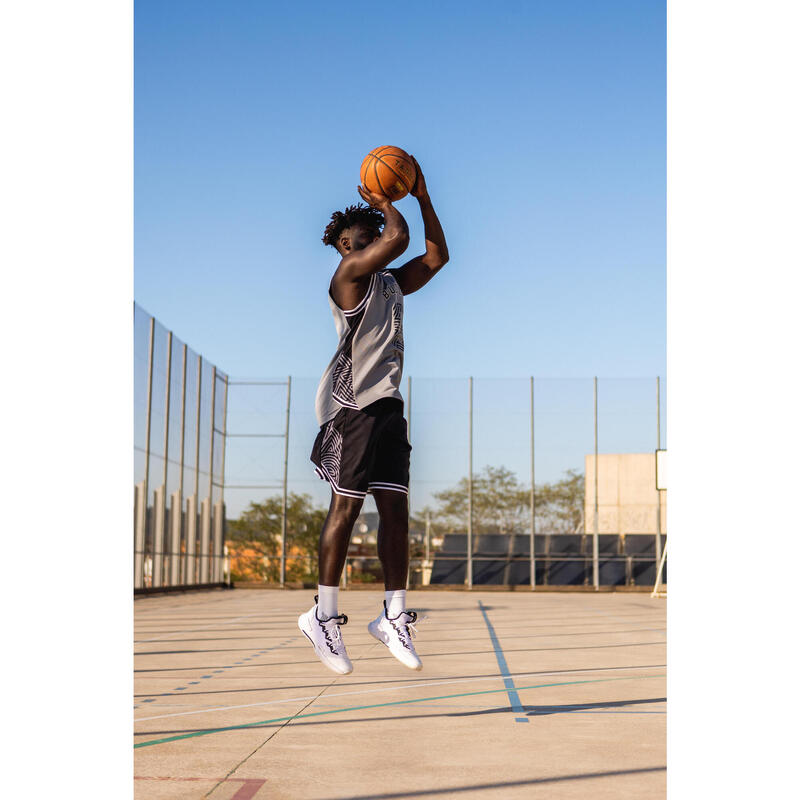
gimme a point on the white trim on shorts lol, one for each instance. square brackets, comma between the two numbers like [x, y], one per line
[392, 487]
[323, 474]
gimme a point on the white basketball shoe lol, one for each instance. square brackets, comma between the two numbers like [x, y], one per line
[326, 637]
[398, 634]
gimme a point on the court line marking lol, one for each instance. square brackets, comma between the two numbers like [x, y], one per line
[246, 725]
[393, 688]
[195, 630]
[508, 681]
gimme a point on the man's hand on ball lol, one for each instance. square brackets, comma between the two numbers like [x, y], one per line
[419, 190]
[376, 200]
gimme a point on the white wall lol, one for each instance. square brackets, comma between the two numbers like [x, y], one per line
[628, 498]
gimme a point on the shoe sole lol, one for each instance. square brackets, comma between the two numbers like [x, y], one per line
[328, 664]
[382, 638]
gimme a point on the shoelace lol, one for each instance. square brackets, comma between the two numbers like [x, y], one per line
[332, 632]
[410, 625]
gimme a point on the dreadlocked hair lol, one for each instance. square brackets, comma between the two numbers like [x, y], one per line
[352, 215]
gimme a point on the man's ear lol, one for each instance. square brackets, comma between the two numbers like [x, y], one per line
[344, 242]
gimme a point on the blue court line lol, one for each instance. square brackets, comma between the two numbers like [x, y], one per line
[513, 696]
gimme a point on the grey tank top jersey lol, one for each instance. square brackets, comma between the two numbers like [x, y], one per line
[368, 363]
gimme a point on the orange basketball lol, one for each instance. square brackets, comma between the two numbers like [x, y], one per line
[389, 171]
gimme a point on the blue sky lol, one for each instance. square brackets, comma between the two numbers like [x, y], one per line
[540, 128]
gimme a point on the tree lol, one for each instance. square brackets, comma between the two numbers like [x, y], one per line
[501, 504]
[254, 540]
[559, 506]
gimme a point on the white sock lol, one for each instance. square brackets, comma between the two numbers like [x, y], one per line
[395, 602]
[328, 601]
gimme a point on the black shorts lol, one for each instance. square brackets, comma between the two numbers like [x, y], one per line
[361, 450]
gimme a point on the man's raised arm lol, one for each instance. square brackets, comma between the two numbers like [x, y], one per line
[392, 243]
[417, 272]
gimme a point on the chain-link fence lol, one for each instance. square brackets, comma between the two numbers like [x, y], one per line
[514, 482]
[179, 461]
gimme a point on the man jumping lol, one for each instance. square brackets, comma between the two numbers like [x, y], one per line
[362, 445]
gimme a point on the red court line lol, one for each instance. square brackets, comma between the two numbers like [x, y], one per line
[246, 791]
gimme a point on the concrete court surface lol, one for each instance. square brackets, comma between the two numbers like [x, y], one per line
[522, 695]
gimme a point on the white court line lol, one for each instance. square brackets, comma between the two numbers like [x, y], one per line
[614, 616]
[394, 688]
[195, 630]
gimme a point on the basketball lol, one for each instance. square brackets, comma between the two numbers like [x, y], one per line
[389, 171]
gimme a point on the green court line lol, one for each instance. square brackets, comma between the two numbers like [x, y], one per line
[378, 705]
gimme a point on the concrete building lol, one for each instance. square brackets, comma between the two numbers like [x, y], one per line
[628, 501]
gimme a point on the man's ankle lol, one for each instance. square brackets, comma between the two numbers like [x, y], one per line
[395, 602]
[328, 601]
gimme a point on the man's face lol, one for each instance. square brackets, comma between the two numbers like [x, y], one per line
[360, 236]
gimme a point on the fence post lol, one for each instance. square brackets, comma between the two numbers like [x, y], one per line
[469, 487]
[533, 498]
[222, 475]
[658, 447]
[192, 504]
[139, 522]
[190, 569]
[175, 520]
[209, 551]
[285, 480]
[217, 541]
[139, 559]
[159, 509]
[211, 442]
[595, 540]
[408, 434]
[177, 497]
[163, 538]
[166, 407]
[205, 538]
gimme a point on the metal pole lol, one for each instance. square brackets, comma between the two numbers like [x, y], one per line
[166, 407]
[426, 568]
[595, 541]
[197, 429]
[658, 447]
[657, 586]
[408, 432]
[222, 477]
[207, 539]
[469, 487]
[285, 480]
[427, 537]
[533, 499]
[140, 564]
[211, 443]
[177, 544]
[161, 544]
[139, 517]
[192, 506]
[183, 416]
[224, 438]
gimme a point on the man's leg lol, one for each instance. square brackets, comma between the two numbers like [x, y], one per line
[393, 537]
[335, 537]
[395, 625]
[321, 623]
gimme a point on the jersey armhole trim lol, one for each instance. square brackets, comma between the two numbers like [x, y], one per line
[353, 311]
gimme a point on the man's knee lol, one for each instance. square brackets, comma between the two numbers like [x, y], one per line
[345, 508]
[393, 509]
